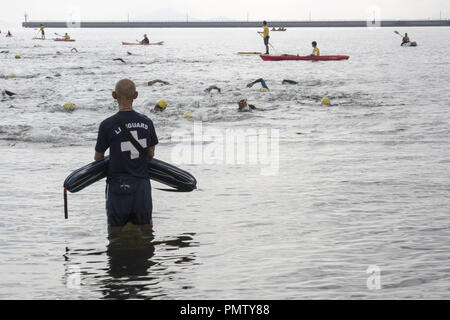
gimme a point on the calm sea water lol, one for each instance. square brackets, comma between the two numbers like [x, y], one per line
[352, 200]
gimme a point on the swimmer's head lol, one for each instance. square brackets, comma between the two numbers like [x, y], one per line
[125, 92]
[326, 101]
[242, 104]
[160, 106]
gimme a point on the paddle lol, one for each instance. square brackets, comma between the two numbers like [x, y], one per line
[269, 42]
[396, 32]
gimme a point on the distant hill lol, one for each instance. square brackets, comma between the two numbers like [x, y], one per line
[220, 18]
[173, 15]
[164, 15]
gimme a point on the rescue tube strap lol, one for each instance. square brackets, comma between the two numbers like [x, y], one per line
[133, 141]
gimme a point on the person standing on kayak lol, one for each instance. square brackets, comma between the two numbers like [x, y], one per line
[146, 40]
[405, 39]
[42, 28]
[128, 190]
[266, 36]
[316, 51]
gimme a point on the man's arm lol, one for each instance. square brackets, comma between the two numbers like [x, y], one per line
[99, 155]
[151, 152]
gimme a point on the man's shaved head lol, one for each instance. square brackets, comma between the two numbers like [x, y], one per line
[125, 88]
[125, 92]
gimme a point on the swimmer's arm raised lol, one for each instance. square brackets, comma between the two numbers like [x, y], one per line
[250, 84]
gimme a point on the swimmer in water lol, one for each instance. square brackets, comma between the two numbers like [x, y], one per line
[7, 93]
[261, 80]
[289, 82]
[210, 88]
[160, 106]
[152, 82]
[244, 106]
[120, 59]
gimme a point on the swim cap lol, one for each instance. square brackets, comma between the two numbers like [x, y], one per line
[188, 115]
[17, 56]
[69, 106]
[162, 104]
[326, 101]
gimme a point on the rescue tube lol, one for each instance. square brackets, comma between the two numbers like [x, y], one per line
[158, 170]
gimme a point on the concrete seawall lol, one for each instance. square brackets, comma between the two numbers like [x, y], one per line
[240, 24]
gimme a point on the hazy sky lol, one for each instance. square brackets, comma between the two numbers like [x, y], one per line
[13, 10]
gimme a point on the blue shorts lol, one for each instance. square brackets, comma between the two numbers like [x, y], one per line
[128, 199]
[266, 41]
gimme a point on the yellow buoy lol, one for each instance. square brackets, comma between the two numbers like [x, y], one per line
[13, 75]
[69, 106]
[326, 101]
[188, 115]
[17, 56]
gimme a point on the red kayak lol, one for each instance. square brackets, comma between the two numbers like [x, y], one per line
[64, 40]
[304, 58]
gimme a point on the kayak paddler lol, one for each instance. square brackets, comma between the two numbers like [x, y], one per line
[42, 28]
[9, 34]
[405, 39]
[145, 40]
[316, 51]
[266, 36]
[66, 36]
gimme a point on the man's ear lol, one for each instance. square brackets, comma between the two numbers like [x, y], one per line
[114, 94]
[136, 94]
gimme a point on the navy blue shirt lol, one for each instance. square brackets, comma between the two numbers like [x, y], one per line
[124, 157]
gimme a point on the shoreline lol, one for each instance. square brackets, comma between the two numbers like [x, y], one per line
[239, 24]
